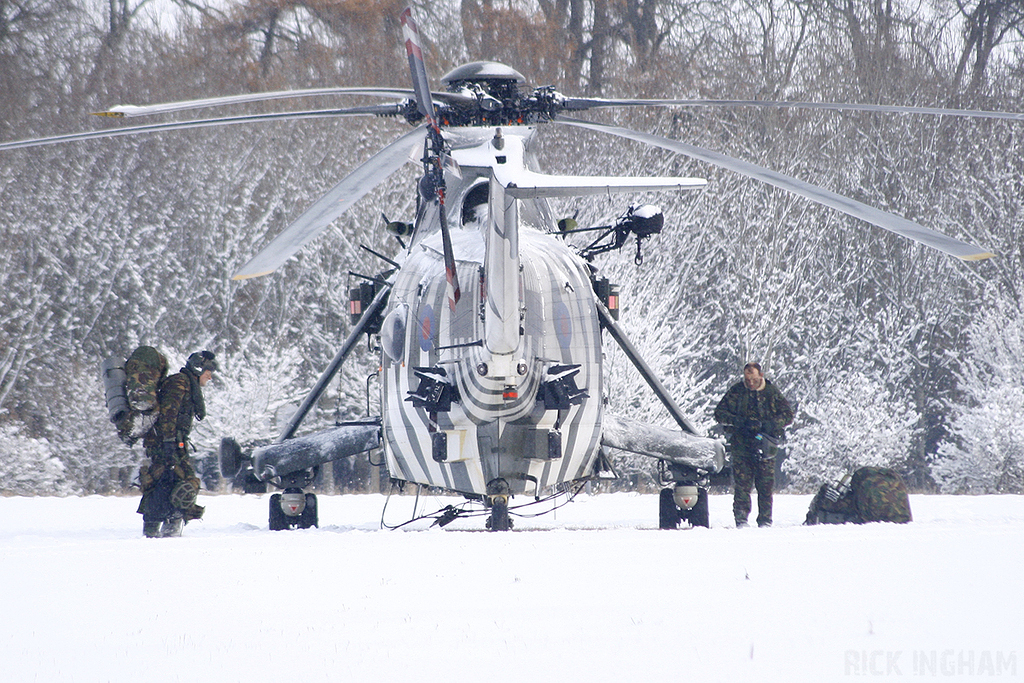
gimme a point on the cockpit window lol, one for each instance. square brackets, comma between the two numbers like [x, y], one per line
[475, 198]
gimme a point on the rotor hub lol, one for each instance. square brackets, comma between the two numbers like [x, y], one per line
[481, 72]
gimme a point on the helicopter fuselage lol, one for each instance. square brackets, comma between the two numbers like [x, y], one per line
[505, 385]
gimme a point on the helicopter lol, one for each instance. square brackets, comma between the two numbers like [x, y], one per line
[490, 323]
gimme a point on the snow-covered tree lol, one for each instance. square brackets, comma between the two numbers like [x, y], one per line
[986, 451]
[851, 422]
[28, 465]
[245, 399]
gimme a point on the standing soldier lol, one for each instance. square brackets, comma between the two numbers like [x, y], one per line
[755, 414]
[169, 482]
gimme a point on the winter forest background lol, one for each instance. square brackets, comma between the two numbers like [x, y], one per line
[896, 354]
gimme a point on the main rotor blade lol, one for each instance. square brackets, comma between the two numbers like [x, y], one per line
[375, 110]
[451, 273]
[416, 66]
[584, 103]
[852, 207]
[130, 110]
[337, 201]
[434, 161]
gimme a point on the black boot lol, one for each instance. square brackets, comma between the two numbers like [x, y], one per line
[172, 526]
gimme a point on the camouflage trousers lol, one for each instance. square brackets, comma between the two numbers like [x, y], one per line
[749, 472]
[158, 477]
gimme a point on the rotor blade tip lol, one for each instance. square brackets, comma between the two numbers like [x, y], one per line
[979, 257]
[249, 276]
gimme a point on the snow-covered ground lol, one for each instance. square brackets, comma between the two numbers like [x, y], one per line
[592, 592]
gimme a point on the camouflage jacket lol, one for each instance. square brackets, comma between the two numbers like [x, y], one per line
[178, 405]
[741, 404]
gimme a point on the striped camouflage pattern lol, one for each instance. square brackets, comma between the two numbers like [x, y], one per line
[489, 434]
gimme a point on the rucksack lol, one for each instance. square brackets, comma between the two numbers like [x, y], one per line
[131, 391]
[870, 494]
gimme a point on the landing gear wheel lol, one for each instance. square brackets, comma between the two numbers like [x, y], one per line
[310, 516]
[668, 513]
[499, 519]
[278, 521]
[699, 515]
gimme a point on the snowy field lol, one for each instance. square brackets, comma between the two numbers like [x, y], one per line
[592, 592]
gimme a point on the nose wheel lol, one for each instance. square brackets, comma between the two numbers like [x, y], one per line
[498, 495]
[499, 519]
[293, 510]
[681, 502]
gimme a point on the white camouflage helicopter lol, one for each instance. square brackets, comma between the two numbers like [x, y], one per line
[489, 322]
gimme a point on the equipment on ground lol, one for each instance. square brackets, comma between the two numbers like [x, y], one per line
[869, 494]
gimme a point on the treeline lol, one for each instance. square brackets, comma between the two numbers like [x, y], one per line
[896, 355]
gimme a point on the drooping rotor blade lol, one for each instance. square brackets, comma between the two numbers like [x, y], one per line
[312, 222]
[852, 207]
[450, 272]
[584, 103]
[130, 110]
[375, 110]
[434, 161]
[420, 84]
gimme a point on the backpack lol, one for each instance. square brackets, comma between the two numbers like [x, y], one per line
[870, 494]
[130, 389]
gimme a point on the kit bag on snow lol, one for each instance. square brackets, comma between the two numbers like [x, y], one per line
[130, 387]
[870, 494]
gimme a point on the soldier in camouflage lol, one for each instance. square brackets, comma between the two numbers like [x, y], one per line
[755, 414]
[168, 479]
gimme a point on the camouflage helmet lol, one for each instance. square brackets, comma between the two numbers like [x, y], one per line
[184, 494]
[201, 361]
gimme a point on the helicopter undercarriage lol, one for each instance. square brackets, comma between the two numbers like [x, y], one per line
[683, 498]
[293, 508]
